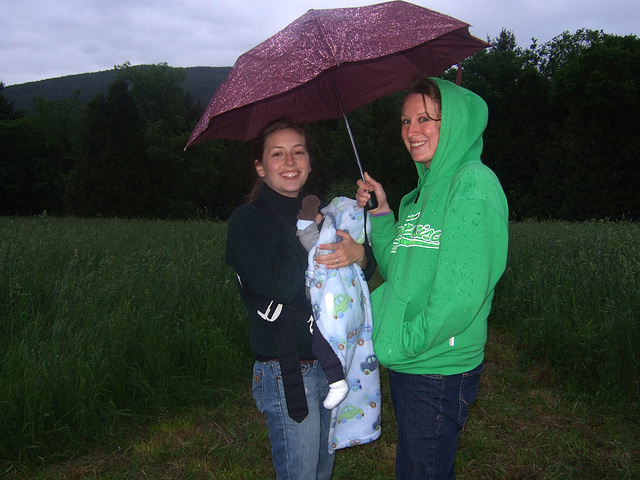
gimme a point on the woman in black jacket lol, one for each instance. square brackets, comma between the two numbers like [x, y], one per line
[270, 262]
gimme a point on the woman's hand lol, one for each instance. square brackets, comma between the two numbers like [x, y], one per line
[345, 253]
[362, 196]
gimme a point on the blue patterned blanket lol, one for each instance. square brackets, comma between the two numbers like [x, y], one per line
[340, 301]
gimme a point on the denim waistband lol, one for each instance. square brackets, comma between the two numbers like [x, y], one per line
[302, 362]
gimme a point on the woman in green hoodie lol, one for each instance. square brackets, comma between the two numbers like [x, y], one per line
[441, 261]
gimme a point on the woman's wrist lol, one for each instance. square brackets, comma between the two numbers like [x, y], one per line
[361, 259]
[382, 209]
[362, 263]
[379, 213]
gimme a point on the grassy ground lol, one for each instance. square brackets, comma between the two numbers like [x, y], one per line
[123, 355]
[520, 427]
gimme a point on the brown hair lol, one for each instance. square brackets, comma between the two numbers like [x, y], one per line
[425, 86]
[258, 147]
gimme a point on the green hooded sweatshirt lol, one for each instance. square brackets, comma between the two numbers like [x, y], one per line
[443, 257]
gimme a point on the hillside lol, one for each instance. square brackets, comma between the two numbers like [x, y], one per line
[200, 82]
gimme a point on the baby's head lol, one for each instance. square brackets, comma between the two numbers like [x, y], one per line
[309, 210]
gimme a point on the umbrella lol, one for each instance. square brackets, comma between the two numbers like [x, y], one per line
[329, 62]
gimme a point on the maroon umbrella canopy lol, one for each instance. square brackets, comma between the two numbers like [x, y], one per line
[333, 57]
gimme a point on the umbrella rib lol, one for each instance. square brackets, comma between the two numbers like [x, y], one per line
[325, 42]
[335, 89]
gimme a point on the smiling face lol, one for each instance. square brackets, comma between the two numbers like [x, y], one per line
[420, 127]
[285, 163]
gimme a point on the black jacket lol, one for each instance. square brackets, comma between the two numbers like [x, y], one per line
[264, 251]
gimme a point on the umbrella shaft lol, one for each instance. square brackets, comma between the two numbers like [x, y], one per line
[353, 143]
[372, 203]
[346, 121]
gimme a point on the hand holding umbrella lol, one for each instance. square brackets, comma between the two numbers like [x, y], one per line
[368, 188]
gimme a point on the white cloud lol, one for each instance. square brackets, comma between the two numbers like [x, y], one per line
[43, 39]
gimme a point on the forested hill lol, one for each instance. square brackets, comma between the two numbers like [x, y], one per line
[199, 82]
[562, 137]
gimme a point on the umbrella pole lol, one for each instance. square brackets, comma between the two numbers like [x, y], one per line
[353, 143]
[373, 201]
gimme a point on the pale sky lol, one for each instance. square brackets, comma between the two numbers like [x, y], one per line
[43, 39]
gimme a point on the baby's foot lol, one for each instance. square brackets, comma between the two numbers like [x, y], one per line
[337, 392]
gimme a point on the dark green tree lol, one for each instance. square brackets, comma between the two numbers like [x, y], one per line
[551, 56]
[6, 106]
[546, 103]
[158, 96]
[591, 158]
[517, 96]
[17, 144]
[38, 151]
[111, 176]
[181, 184]
[134, 163]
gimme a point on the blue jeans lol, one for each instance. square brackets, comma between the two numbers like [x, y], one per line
[430, 411]
[300, 451]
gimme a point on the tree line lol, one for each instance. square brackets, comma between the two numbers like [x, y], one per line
[561, 138]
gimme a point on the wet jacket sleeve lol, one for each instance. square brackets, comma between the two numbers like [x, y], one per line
[271, 262]
[383, 234]
[308, 236]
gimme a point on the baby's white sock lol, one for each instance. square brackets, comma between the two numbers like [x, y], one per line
[337, 392]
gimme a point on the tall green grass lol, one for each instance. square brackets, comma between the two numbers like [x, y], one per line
[571, 294]
[102, 319]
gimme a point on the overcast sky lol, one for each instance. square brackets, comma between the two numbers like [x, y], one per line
[42, 39]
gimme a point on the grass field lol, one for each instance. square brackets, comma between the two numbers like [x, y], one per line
[124, 356]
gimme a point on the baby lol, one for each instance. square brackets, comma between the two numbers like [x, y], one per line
[309, 218]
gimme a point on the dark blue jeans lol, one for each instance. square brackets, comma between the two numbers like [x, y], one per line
[430, 411]
[300, 451]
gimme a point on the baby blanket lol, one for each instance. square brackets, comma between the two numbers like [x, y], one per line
[340, 301]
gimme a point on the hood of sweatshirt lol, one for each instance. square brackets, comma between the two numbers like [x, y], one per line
[463, 120]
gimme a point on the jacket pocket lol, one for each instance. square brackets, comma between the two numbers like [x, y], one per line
[388, 310]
